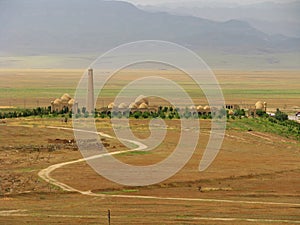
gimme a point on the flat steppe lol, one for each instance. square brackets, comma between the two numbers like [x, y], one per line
[255, 178]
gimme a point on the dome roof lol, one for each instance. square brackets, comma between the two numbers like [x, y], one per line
[206, 107]
[57, 101]
[199, 107]
[123, 106]
[66, 97]
[111, 105]
[192, 107]
[133, 106]
[141, 99]
[143, 106]
[259, 105]
[71, 102]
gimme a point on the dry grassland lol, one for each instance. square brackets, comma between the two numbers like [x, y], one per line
[257, 173]
[32, 88]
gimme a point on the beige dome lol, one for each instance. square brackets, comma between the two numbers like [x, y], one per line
[111, 105]
[141, 99]
[123, 106]
[259, 105]
[192, 107]
[143, 106]
[71, 102]
[57, 101]
[133, 106]
[199, 107]
[206, 107]
[66, 97]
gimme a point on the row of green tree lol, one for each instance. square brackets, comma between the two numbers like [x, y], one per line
[39, 111]
[162, 112]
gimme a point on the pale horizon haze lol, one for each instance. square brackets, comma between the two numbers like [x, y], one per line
[205, 2]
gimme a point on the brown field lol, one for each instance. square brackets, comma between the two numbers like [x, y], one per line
[256, 173]
[255, 178]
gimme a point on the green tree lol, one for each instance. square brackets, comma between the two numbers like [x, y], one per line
[171, 116]
[86, 114]
[137, 114]
[162, 115]
[260, 113]
[83, 110]
[281, 116]
[146, 115]
[239, 112]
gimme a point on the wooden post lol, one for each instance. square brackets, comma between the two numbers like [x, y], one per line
[1, 187]
[108, 216]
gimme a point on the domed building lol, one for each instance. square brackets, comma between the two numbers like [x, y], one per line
[206, 107]
[200, 107]
[123, 106]
[64, 102]
[261, 106]
[133, 106]
[65, 98]
[71, 102]
[258, 106]
[57, 101]
[141, 99]
[143, 106]
[111, 105]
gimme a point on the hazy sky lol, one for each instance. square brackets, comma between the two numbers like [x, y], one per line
[153, 2]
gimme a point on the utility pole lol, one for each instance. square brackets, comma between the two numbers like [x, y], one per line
[108, 216]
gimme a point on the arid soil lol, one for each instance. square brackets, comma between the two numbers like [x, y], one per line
[255, 179]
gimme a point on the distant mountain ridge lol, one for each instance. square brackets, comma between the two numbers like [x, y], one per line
[270, 17]
[41, 27]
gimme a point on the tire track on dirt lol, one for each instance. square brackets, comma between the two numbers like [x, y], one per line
[45, 175]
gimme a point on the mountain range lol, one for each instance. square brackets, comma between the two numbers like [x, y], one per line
[270, 17]
[75, 26]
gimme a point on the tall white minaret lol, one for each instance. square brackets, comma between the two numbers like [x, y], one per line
[90, 94]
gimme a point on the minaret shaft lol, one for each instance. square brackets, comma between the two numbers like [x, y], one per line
[90, 94]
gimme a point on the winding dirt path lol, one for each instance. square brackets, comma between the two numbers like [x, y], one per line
[45, 174]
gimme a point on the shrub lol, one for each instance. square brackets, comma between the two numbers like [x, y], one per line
[146, 115]
[162, 115]
[239, 112]
[281, 116]
[171, 116]
[260, 113]
[137, 114]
